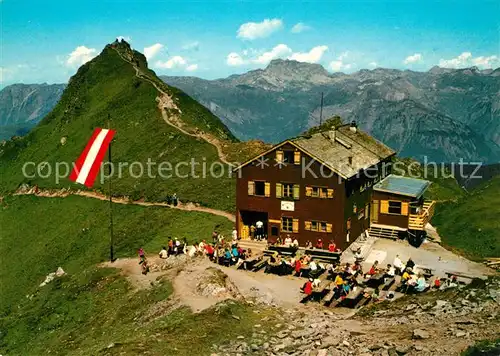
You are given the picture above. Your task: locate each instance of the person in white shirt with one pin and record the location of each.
(260, 229)
(288, 241)
(192, 250)
(295, 243)
(163, 253)
(234, 235)
(313, 266)
(391, 271)
(398, 264)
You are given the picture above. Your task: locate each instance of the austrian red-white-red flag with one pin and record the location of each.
(87, 165)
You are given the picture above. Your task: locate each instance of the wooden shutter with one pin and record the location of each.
(309, 191)
(384, 206)
(251, 188)
(296, 191)
(308, 225)
(296, 157)
(367, 210)
(267, 189)
(279, 156)
(330, 193)
(279, 190)
(295, 225)
(404, 208)
(329, 227)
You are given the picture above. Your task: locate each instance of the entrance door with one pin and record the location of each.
(374, 212)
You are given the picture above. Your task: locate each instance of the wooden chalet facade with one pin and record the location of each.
(312, 187)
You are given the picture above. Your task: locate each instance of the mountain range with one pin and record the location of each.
(22, 106)
(442, 114)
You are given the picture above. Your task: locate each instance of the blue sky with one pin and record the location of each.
(46, 41)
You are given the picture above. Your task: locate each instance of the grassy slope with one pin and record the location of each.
(444, 187)
(107, 84)
(90, 308)
(85, 313)
(472, 224)
(44, 233)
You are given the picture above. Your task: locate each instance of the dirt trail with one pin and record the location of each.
(165, 103)
(61, 193)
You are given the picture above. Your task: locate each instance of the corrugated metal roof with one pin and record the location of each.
(402, 185)
(343, 150)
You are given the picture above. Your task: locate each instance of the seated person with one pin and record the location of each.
(192, 251)
(348, 269)
(319, 244)
(390, 271)
(288, 241)
(163, 253)
(295, 242)
(227, 257)
(234, 252)
(298, 267)
(309, 244)
(421, 284)
(410, 264)
(346, 288)
(398, 265)
(313, 266)
(374, 269)
(339, 281)
(331, 246)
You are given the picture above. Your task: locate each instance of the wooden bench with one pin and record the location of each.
(259, 265)
(316, 252)
(353, 298)
(284, 250)
(388, 283)
(250, 263)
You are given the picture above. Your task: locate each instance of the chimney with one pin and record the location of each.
(331, 134)
(354, 126)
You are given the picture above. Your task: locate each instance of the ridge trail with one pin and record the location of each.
(165, 102)
(62, 193)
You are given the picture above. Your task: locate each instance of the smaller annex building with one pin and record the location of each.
(398, 205)
(312, 187)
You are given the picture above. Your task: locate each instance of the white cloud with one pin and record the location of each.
(80, 55)
(466, 60)
(253, 30)
(124, 38)
(414, 58)
(234, 59)
(252, 56)
(313, 56)
(373, 64)
(174, 62)
(300, 27)
(177, 62)
(280, 51)
(338, 64)
(153, 50)
(192, 46)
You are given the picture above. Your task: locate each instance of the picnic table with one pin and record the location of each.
(284, 250)
(260, 263)
(375, 280)
(250, 262)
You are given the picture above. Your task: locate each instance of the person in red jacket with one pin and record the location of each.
(298, 266)
(332, 247)
(308, 290)
(319, 244)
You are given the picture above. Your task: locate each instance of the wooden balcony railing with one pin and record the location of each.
(418, 221)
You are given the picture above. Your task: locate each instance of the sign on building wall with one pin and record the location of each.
(288, 205)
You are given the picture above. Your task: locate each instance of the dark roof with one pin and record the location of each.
(343, 150)
(411, 187)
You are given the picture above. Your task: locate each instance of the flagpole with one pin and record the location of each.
(111, 252)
